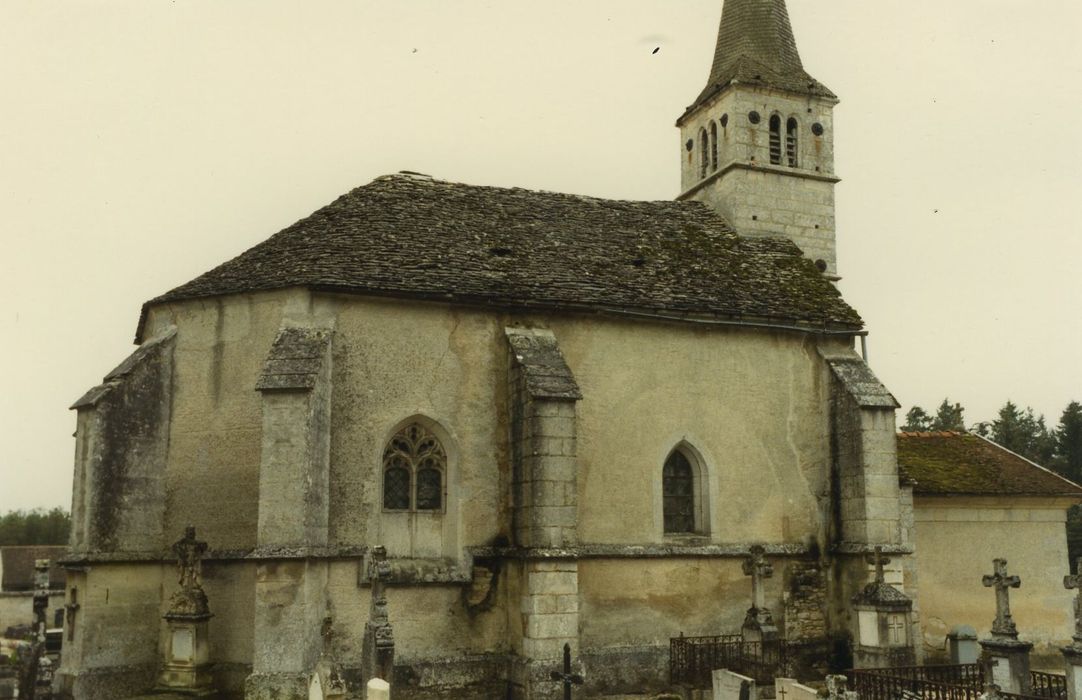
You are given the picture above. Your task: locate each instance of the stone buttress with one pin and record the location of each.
(868, 499)
(543, 395)
(118, 503)
(293, 513)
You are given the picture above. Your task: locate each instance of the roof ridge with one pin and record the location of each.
(1028, 460)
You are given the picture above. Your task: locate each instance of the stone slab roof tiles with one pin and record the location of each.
(964, 464)
(546, 372)
(411, 236)
(294, 360)
(859, 381)
(17, 566)
(756, 46)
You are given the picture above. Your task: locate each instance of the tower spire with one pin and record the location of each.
(756, 46)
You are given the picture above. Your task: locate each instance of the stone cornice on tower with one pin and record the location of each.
(756, 47)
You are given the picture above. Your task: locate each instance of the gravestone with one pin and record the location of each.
(733, 686)
(759, 622)
(1005, 657)
(378, 689)
(377, 652)
(186, 666)
(1072, 654)
(962, 643)
(791, 689)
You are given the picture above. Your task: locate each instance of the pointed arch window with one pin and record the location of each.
(791, 128)
(775, 139)
(704, 153)
(713, 146)
(682, 486)
(414, 471)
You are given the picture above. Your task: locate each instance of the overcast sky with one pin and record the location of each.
(144, 142)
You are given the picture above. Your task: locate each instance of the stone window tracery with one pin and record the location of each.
(414, 470)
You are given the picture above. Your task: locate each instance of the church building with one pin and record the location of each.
(472, 425)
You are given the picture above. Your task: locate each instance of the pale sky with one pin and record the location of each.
(144, 142)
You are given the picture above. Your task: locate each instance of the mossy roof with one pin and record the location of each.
(17, 566)
(412, 236)
(960, 464)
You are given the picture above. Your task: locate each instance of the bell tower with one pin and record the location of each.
(757, 144)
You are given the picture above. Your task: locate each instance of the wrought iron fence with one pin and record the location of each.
(944, 682)
(1049, 685)
(692, 660)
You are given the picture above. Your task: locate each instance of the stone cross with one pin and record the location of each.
(758, 568)
(70, 609)
(567, 678)
(1003, 626)
(189, 553)
(1071, 583)
(878, 561)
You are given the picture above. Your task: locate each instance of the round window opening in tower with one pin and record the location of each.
(821, 265)
(753, 117)
(817, 129)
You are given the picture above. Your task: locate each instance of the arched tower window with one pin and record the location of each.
(775, 139)
(414, 470)
(791, 142)
(680, 492)
(704, 153)
(713, 146)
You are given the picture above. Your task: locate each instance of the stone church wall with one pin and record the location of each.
(749, 406)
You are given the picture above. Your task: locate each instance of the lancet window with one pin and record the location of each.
(704, 152)
(414, 470)
(791, 142)
(713, 146)
(775, 139)
(678, 491)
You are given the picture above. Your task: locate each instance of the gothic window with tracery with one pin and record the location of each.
(414, 469)
(678, 492)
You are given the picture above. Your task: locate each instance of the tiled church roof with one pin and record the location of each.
(756, 46)
(17, 566)
(963, 464)
(412, 236)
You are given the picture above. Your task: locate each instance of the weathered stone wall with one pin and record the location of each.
(805, 601)
(757, 197)
(750, 406)
(957, 539)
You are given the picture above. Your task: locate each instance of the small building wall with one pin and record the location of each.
(17, 608)
(957, 539)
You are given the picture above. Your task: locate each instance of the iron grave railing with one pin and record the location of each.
(943, 682)
(692, 660)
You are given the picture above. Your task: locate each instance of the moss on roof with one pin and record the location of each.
(417, 237)
(950, 463)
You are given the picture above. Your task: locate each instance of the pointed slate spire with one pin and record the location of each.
(756, 46)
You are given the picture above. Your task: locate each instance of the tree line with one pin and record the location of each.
(1021, 431)
(38, 526)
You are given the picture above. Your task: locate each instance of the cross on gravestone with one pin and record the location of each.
(1075, 582)
(758, 568)
(1003, 626)
(70, 609)
(877, 560)
(567, 678)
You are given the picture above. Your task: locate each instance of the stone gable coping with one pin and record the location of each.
(294, 360)
(544, 369)
(860, 383)
(92, 397)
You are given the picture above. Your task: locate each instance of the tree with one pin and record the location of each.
(1024, 433)
(1068, 442)
(949, 417)
(18, 527)
(917, 420)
